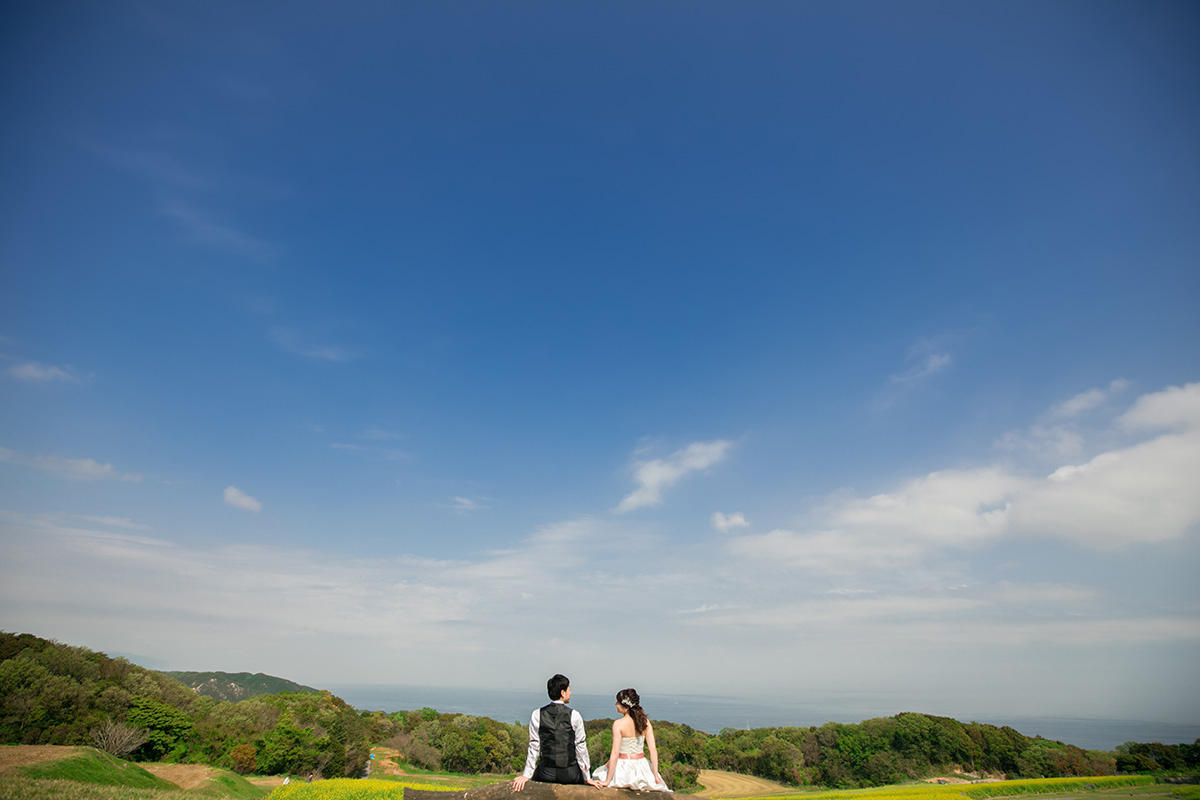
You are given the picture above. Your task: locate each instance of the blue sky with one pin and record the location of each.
(794, 349)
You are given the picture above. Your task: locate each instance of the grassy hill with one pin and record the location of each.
(75, 773)
(234, 686)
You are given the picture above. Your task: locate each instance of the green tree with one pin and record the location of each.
(165, 726)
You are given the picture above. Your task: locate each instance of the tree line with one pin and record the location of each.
(52, 693)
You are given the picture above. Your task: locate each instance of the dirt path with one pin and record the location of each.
(185, 776)
(717, 783)
(22, 755)
(385, 762)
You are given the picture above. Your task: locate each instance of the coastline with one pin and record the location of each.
(710, 714)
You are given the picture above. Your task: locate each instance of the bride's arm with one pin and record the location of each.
(653, 751)
(612, 757)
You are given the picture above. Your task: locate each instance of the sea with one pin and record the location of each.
(711, 714)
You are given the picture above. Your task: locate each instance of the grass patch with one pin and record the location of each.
(21, 787)
(975, 791)
(94, 767)
(980, 791)
(230, 784)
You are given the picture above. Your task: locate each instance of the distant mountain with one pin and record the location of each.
(236, 686)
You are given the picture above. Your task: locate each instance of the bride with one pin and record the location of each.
(627, 767)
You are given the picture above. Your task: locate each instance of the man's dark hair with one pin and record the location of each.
(556, 686)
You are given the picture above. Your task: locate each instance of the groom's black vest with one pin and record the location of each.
(557, 736)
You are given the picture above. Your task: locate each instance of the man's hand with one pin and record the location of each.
(519, 783)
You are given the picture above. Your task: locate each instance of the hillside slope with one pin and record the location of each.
(234, 686)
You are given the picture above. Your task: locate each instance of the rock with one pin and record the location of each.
(541, 791)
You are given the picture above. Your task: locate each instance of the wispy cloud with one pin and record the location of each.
(727, 522)
(704, 609)
(380, 435)
(160, 169)
(84, 469)
(1089, 400)
(373, 448)
(239, 499)
(468, 504)
(292, 341)
(928, 365)
(924, 360)
(656, 476)
(34, 372)
(1057, 434)
(200, 228)
(115, 522)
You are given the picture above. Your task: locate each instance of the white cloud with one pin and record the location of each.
(84, 469)
(704, 609)
(41, 373)
(1057, 435)
(1145, 492)
(1089, 400)
(1053, 442)
(930, 364)
(1175, 407)
(239, 499)
(659, 475)
(725, 522)
(341, 618)
(466, 504)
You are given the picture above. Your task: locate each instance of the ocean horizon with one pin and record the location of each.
(711, 713)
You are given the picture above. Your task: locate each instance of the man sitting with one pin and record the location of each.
(557, 741)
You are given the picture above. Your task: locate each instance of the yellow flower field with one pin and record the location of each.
(349, 789)
(975, 791)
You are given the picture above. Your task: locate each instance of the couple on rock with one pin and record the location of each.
(558, 745)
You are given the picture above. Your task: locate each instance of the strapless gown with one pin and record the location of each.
(632, 773)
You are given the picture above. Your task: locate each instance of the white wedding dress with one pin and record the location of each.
(633, 768)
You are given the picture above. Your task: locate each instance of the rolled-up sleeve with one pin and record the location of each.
(535, 743)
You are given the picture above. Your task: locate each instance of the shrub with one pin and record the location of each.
(117, 738)
(243, 759)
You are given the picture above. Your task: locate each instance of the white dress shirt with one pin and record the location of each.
(535, 743)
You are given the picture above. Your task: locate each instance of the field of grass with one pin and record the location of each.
(75, 773)
(1047, 787)
(22, 787)
(96, 767)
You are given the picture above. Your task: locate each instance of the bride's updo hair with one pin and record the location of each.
(629, 698)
